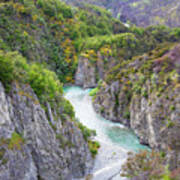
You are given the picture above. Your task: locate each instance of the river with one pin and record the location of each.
(115, 139)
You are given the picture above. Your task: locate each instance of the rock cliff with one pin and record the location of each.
(144, 94)
(34, 144)
(88, 72)
(85, 75)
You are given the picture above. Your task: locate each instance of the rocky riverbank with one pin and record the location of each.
(144, 94)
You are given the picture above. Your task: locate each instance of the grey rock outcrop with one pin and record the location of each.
(31, 148)
(150, 105)
(85, 75)
(147, 117)
(89, 73)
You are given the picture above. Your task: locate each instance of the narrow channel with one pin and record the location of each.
(115, 139)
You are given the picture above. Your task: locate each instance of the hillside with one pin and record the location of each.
(143, 94)
(140, 12)
(46, 44)
(51, 32)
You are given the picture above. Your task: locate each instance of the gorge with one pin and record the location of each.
(115, 139)
(79, 89)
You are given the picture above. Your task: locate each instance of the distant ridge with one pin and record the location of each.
(140, 12)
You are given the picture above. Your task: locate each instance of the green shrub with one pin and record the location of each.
(67, 108)
(16, 141)
(172, 108)
(144, 93)
(55, 7)
(12, 67)
(169, 124)
(137, 30)
(175, 33)
(93, 147)
(94, 91)
(44, 82)
(126, 114)
(2, 152)
(87, 133)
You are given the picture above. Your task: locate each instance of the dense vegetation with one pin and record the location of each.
(54, 34)
(15, 68)
(50, 32)
(133, 42)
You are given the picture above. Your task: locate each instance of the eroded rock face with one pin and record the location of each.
(152, 118)
(89, 73)
(39, 151)
(85, 75)
(111, 103)
(151, 108)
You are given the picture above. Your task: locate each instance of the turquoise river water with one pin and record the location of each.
(115, 140)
